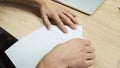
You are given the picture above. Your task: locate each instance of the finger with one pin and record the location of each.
(60, 24)
(67, 21)
(90, 56)
(77, 64)
(73, 14)
(70, 13)
(90, 49)
(89, 62)
(71, 17)
(87, 42)
(46, 21)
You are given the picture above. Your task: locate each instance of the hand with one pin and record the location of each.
(50, 10)
(76, 53)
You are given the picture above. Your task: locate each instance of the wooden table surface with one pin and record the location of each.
(102, 28)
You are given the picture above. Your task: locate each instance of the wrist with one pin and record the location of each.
(51, 62)
(45, 63)
(41, 2)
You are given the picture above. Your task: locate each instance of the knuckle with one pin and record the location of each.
(67, 19)
(69, 14)
(83, 56)
(82, 49)
(94, 56)
(71, 24)
(93, 49)
(43, 16)
(87, 42)
(64, 17)
(54, 15)
(82, 63)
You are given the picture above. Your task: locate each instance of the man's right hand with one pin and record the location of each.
(76, 53)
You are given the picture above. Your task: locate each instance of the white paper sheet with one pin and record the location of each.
(27, 52)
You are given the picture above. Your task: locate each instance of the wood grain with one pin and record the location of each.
(102, 28)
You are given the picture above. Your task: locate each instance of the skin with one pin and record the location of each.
(76, 53)
(51, 10)
(60, 16)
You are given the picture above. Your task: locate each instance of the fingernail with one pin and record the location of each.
(74, 27)
(65, 31)
(77, 21)
(48, 27)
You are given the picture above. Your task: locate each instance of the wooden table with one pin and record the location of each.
(102, 28)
